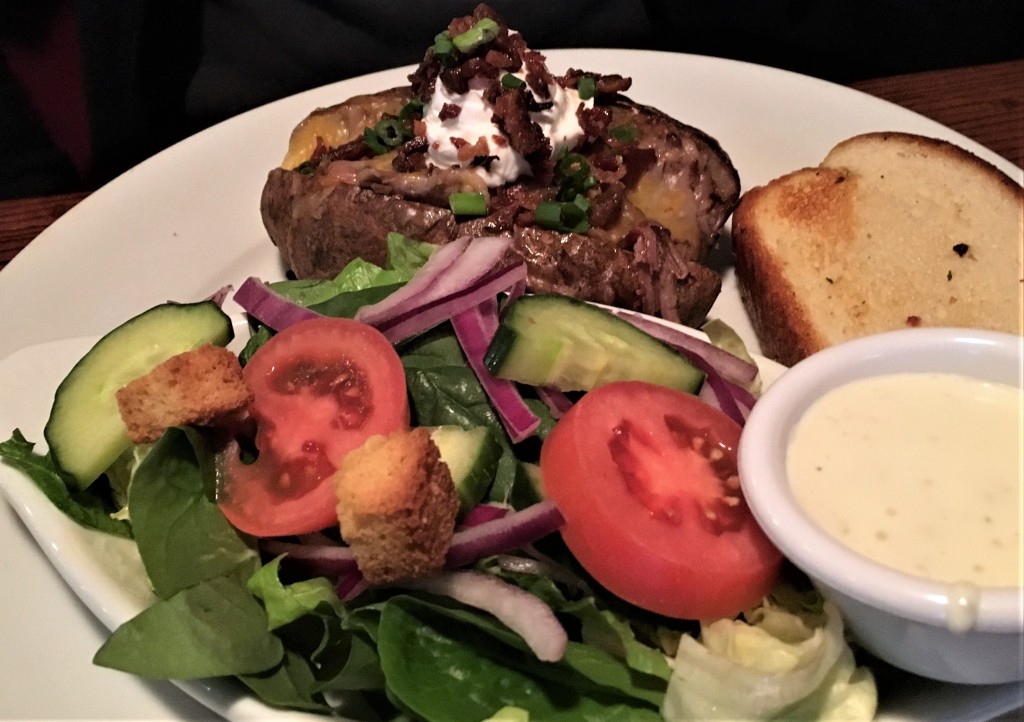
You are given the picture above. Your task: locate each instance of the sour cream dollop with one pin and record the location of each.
(559, 123)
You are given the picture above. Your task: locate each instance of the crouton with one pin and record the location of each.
(201, 387)
(396, 506)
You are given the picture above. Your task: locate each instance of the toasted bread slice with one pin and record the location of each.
(891, 230)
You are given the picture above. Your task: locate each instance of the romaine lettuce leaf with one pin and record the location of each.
(405, 256)
(781, 662)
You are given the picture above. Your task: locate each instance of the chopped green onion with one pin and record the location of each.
(586, 86)
(442, 44)
(566, 217)
(509, 81)
(574, 166)
(391, 131)
(623, 133)
(468, 204)
(549, 215)
(573, 176)
(373, 141)
(484, 31)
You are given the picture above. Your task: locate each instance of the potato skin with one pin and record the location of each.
(321, 223)
(319, 228)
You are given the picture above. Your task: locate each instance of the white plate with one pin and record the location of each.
(186, 222)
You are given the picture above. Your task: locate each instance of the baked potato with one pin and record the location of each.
(657, 194)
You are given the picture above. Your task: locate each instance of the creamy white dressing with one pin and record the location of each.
(921, 472)
(559, 123)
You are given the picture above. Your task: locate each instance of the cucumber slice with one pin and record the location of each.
(571, 345)
(85, 432)
(536, 480)
(472, 458)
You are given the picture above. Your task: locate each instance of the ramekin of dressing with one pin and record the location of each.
(889, 469)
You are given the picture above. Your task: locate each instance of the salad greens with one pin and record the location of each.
(394, 654)
(786, 660)
(91, 507)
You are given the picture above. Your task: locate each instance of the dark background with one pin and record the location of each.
(89, 88)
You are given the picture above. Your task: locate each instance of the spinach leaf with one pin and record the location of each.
(90, 507)
(182, 535)
(215, 628)
(259, 336)
(289, 685)
(444, 390)
(309, 618)
(345, 305)
(451, 664)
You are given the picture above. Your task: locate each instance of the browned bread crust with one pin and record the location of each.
(201, 387)
(396, 505)
(892, 230)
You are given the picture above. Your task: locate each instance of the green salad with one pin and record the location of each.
(290, 616)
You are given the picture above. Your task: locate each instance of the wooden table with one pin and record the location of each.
(985, 103)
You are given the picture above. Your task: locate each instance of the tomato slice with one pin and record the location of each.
(320, 389)
(646, 479)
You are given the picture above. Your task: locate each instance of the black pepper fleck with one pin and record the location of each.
(949, 275)
(829, 279)
(961, 249)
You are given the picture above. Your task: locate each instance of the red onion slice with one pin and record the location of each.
(482, 513)
(475, 328)
(221, 295)
(270, 307)
(556, 401)
(512, 531)
(442, 309)
(350, 586)
(464, 262)
(332, 559)
(408, 295)
(721, 388)
(517, 609)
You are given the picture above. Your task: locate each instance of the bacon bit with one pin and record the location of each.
(449, 111)
(594, 121)
(913, 321)
(608, 84)
(505, 61)
(537, 75)
(499, 140)
(513, 118)
(468, 152)
(419, 128)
